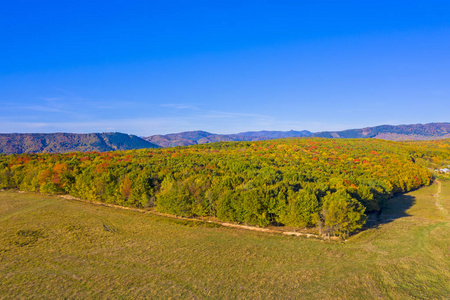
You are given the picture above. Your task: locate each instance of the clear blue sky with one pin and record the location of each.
(155, 67)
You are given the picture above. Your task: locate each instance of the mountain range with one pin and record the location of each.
(394, 132)
(70, 142)
(385, 132)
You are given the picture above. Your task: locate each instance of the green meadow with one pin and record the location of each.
(56, 248)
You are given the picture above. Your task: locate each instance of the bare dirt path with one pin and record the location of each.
(438, 199)
(226, 224)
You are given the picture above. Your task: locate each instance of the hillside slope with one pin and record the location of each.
(69, 142)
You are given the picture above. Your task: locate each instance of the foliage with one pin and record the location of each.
(342, 214)
(295, 182)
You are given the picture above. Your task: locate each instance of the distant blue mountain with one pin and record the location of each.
(203, 137)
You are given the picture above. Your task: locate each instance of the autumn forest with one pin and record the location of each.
(331, 184)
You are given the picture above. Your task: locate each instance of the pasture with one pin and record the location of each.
(56, 248)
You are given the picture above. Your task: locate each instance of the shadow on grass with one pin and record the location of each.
(392, 209)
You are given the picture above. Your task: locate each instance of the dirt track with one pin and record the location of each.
(438, 202)
(225, 224)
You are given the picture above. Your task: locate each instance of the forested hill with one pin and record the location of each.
(394, 133)
(202, 137)
(69, 142)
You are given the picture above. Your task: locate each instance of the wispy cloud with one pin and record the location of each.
(229, 123)
(42, 108)
(227, 115)
(69, 112)
(196, 119)
(68, 105)
(51, 99)
(141, 127)
(179, 106)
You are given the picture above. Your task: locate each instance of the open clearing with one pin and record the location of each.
(57, 248)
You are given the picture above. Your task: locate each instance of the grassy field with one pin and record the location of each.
(56, 248)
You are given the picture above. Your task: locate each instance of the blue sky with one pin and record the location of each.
(156, 67)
